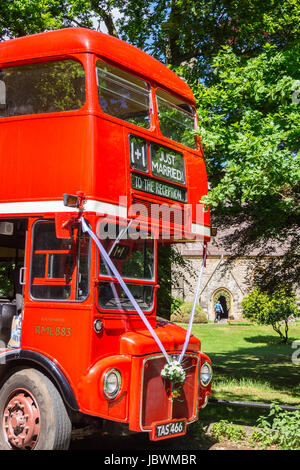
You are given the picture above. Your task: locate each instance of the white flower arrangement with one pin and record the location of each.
(174, 372)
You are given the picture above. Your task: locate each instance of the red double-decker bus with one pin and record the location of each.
(98, 152)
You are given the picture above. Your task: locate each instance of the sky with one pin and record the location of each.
(115, 14)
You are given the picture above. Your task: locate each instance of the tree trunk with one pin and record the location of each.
(105, 16)
(173, 53)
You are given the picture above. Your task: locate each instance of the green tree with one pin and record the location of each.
(249, 123)
(23, 17)
(171, 267)
(193, 31)
(271, 308)
(174, 31)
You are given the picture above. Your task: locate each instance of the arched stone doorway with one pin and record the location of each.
(225, 298)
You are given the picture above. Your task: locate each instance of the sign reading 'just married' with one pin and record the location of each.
(166, 163)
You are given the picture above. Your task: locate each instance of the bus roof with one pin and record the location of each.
(78, 40)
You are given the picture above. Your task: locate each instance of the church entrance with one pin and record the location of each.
(224, 297)
(223, 302)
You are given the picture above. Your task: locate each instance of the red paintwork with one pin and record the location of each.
(44, 156)
(142, 342)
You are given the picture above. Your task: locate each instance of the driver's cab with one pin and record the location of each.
(12, 250)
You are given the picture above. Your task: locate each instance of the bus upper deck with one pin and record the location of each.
(82, 111)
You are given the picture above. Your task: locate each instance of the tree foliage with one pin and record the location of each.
(23, 17)
(176, 31)
(171, 267)
(249, 124)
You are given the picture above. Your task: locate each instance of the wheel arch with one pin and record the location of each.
(16, 359)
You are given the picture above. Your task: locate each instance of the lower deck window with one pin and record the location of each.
(51, 292)
(59, 267)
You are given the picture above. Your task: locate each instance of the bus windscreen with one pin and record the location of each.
(132, 253)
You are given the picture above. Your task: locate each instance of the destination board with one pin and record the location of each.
(158, 188)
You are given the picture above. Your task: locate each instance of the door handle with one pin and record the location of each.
(22, 276)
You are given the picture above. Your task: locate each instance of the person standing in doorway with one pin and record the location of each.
(218, 311)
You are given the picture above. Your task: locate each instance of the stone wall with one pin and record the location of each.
(230, 280)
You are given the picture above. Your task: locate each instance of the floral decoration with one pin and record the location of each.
(174, 372)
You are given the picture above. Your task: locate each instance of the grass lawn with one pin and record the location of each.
(250, 363)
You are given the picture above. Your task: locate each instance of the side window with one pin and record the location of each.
(59, 267)
(45, 87)
(176, 118)
(123, 95)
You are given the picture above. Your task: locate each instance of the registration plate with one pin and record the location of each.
(168, 429)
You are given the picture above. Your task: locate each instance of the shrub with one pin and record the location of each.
(271, 308)
(176, 304)
(183, 312)
(228, 430)
(279, 427)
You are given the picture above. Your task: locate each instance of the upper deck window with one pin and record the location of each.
(123, 95)
(44, 87)
(176, 118)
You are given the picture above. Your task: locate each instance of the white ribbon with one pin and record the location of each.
(189, 330)
(119, 278)
(115, 272)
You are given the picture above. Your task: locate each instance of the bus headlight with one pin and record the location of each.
(206, 374)
(112, 383)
